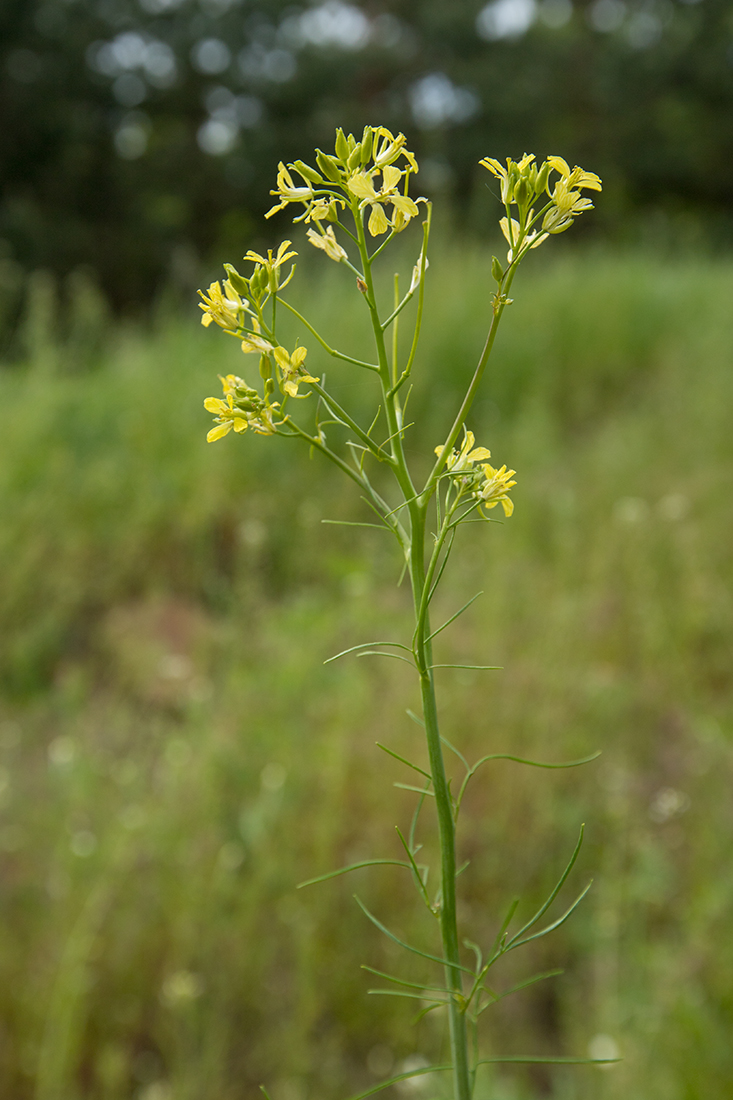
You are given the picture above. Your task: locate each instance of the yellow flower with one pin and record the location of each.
(387, 149)
(292, 371)
(577, 178)
(326, 240)
(271, 265)
(287, 190)
(224, 307)
(495, 488)
(516, 239)
(361, 184)
(508, 176)
(241, 408)
(253, 342)
(459, 462)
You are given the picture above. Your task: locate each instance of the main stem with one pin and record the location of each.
(446, 822)
(423, 654)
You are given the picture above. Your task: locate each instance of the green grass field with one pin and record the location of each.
(175, 757)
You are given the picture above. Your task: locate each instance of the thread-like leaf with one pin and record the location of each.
(453, 617)
(540, 1060)
(364, 645)
(417, 790)
(402, 760)
(354, 867)
(410, 985)
(554, 925)
(544, 907)
(515, 988)
(402, 1077)
(415, 869)
(408, 947)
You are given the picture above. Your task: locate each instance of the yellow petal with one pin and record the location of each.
(361, 185)
(215, 405)
(298, 356)
(282, 358)
(240, 425)
(219, 432)
(405, 205)
(478, 455)
(507, 505)
(378, 220)
(291, 388)
(391, 177)
(559, 165)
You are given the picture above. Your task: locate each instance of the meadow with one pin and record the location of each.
(175, 757)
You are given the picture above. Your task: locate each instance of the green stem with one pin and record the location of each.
(500, 303)
(446, 823)
(423, 655)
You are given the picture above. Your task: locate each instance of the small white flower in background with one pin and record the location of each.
(181, 987)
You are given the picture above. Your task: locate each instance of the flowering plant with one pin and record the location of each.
(358, 193)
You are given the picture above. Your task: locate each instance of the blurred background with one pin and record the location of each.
(174, 757)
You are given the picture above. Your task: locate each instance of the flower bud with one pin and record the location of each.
(367, 140)
(307, 172)
(240, 284)
(265, 367)
(342, 146)
(329, 166)
(361, 285)
(496, 270)
(521, 192)
(354, 157)
(544, 172)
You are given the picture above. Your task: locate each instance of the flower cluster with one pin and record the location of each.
(523, 183)
(362, 175)
(241, 408)
(487, 485)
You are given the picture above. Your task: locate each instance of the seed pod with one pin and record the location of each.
(307, 172)
(329, 166)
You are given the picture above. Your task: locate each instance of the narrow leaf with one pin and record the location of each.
(453, 617)
(354, 867)
(555, 924)
(402, 760)
(543, 908)
(408, 947)
(402, 1077)
(532, 1060)
(363, 645)
(410, 985)
(417, 790)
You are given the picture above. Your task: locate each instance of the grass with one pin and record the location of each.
(175, 757)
